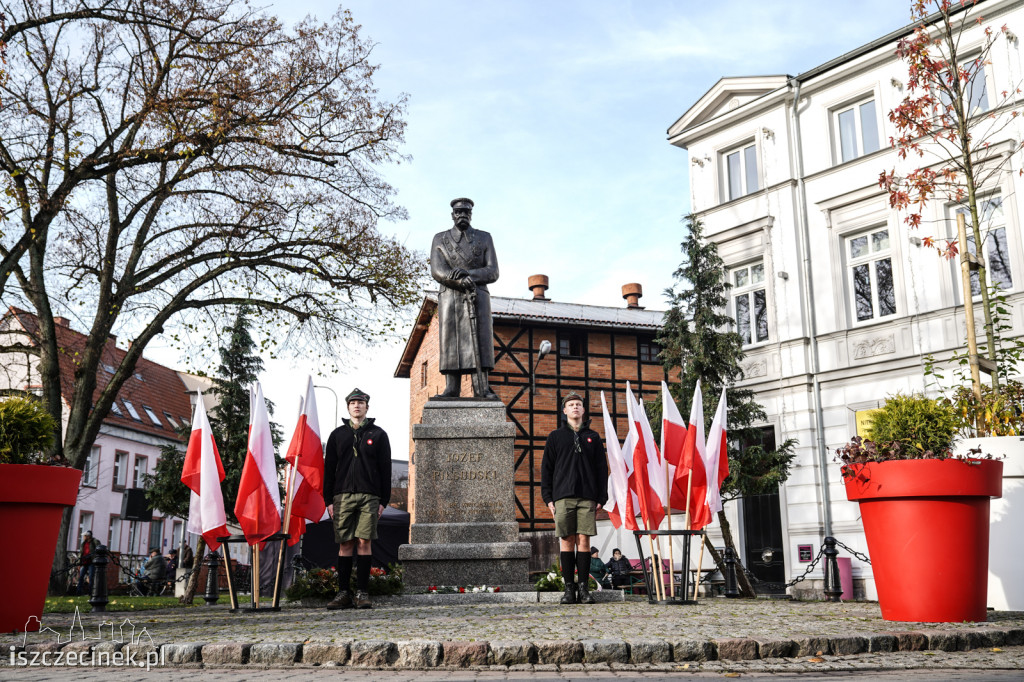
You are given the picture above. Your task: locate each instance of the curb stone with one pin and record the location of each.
(225, 654)
(649, 651)
(912, 641)
(810, 646)
(883, 643)
(182, 653)
(738, 649)
(512, 653)
(605, 651)
(845, 646)
(275, 654)
(373, 653)
(774, 648)
(694, 650)
(559, 652)
(465, 654)
(419, 654)
(322, 654)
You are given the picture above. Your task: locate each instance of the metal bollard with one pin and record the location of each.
(98, 598)
(731, 589)
(833, 586)
(212, 588)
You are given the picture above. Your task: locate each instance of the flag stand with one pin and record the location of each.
(254, 607)
(649, 575)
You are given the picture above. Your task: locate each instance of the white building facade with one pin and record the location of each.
(837, 299)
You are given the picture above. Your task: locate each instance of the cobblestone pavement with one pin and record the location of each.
(716, 636)
(1006, 664)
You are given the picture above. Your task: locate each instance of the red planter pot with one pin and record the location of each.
(927, 527)
(32, 500)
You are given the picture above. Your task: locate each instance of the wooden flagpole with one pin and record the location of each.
(671, 556)
(231, 586)
(700, 562)
(285, 526)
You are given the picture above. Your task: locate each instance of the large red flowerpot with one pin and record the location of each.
(927, 524)
(32, 500)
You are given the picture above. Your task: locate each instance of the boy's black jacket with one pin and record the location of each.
(369, 472)
(568, 473)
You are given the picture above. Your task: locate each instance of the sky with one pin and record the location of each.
(552, 117)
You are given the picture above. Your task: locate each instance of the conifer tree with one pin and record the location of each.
(697, 340)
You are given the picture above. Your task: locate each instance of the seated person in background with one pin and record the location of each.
(172, 564)
(598, 570)
(619, 567)
(154, 572)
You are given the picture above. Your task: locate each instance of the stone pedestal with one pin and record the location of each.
(465, 531)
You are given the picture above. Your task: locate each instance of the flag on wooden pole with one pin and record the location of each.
(619, 506)
(202, 473)
(717, 457)
(258, 507)
(692, 485)
(645, 460)
(306, 455)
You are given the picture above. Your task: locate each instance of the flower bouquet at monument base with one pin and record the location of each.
(552, 581)
(917, 498)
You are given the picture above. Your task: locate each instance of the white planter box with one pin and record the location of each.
(1006, 552)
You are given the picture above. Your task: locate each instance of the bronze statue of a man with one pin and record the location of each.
(463, 261)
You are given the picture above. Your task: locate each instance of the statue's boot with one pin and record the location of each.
(485, 391)
(452, 386)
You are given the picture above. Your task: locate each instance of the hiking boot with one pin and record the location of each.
(570, 595)
(584, 595)
(342, 601)
(363, 600)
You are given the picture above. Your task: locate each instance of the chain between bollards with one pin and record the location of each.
(212, 595)
(833, 587)
(98, 598)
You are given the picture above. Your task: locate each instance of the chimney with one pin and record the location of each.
(62, 321)
(538, 284)
(632, 293)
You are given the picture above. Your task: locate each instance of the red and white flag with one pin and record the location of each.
(306, 455)
(202, 474)
(619, 505)
(694, 459)
(673, 429)
(646, 465)
(258, 507)
(717, 456)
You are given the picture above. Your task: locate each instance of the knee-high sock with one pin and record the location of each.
(344, 572)
(363, 572)
(568, 561)
(582, 567)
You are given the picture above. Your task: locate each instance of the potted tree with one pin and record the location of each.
(33, 494)
(925, 511)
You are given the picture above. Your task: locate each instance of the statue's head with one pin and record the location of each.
(462, 212)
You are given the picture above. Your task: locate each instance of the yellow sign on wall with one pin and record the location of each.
(863, 418)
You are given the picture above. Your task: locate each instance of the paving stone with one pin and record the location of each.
(605, 651)
(520, 667)
(810, 646)
(182, 653)
(1014, 637)
(877, 643)
(78, 647)
(107, 646)
(945, 641)
(775, 648)
(274, 654)
(317, 653)
(693, 650)
(373, 653)
(845, 646)
(511, 653)
(43, 647)
(649, 651)
(912, 641)
(465, 654)
(559, 652)
(736, 649)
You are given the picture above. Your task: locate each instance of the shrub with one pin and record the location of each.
(923, 427)
(26, 430)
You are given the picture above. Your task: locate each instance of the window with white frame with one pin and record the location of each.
(994, 247)
(84, 523)
(120, 469)
(156, 533)
(750, 302)
(740, 168)
(92, 466)
(140, 471)
(975, 89)
(869, 264)
(856, 127)
(114, 533)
